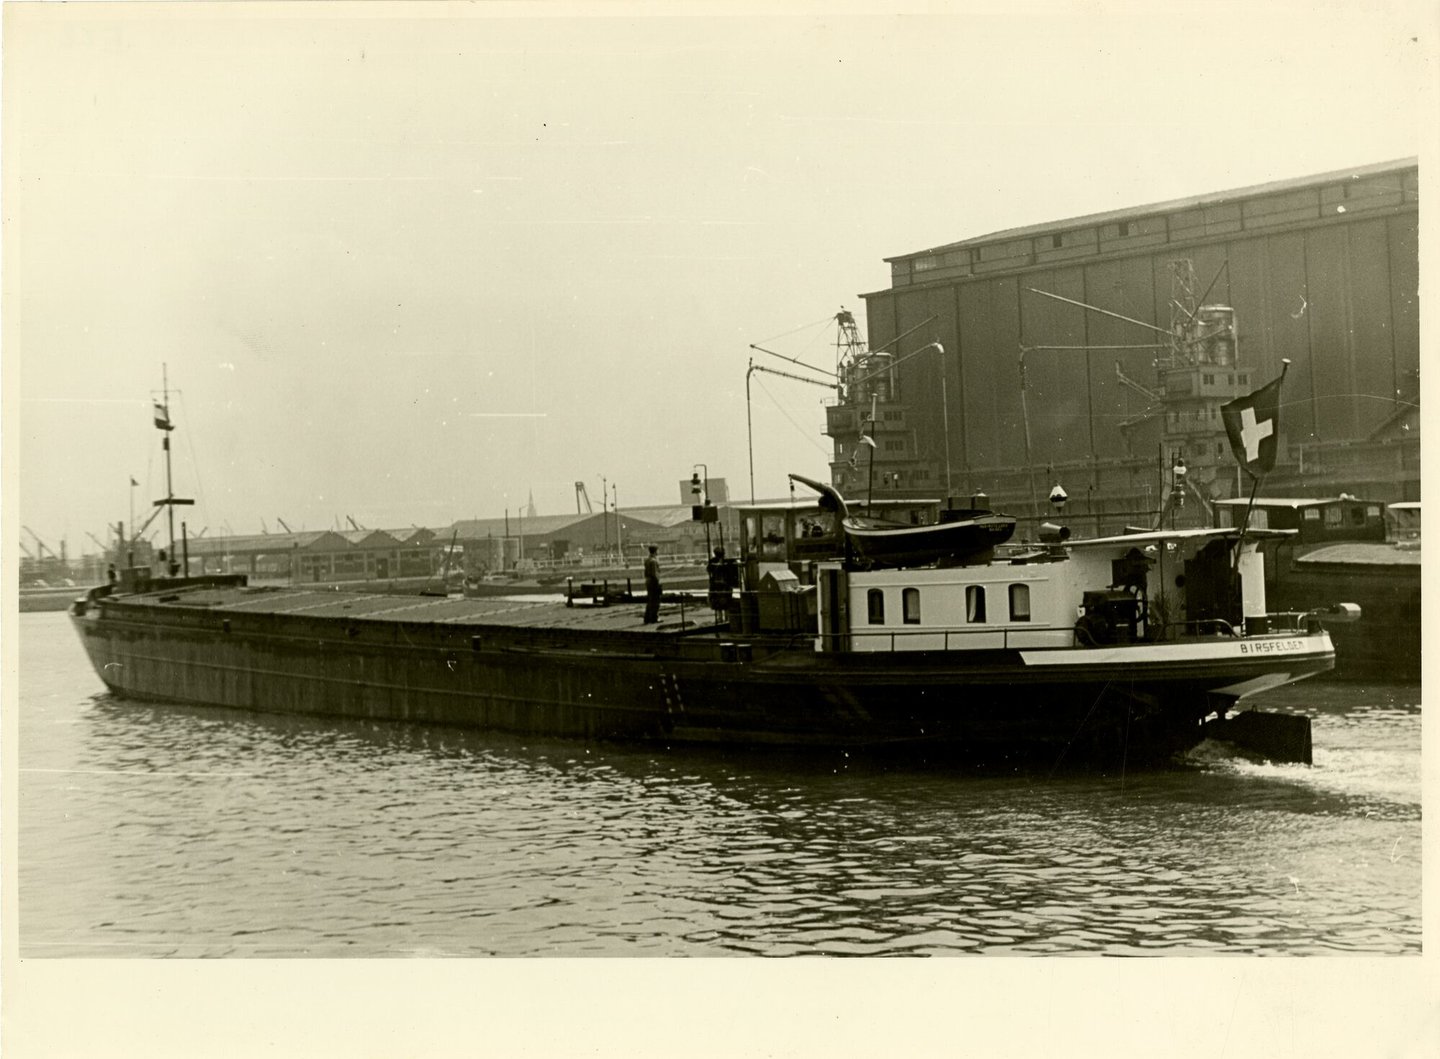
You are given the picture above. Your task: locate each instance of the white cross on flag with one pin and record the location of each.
(1253, 424)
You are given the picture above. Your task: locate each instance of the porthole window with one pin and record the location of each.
(910, 599)
(1019, 602)
(975, 603)
(875, 604)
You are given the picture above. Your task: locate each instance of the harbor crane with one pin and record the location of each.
(857, 375)
(286, 528)
(1194, 360)
(582, 495)
(749, 428)
(41, 546)
(1156, 400)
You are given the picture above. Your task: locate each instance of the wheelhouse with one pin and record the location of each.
(795, 534)
(1147, 587)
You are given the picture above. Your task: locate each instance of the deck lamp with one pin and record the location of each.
(702, 511)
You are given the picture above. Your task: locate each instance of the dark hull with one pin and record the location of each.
(634, 686)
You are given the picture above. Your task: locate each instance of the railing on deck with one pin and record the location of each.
(1012, 638)
(1201, 627)
(950, 639)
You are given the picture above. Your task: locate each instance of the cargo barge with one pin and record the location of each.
(1114, 649)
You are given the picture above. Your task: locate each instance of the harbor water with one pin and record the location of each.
(162, 831)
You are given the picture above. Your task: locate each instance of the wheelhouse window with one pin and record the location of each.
(1019, 602)
(816, 525)
(910, 599)
(975, 603)
(875, 605)
(772, 537)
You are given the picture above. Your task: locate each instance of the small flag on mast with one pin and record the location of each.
(162, 417)
(1253, 425)
(133, 481)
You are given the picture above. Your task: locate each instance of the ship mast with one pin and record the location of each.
(164, 423)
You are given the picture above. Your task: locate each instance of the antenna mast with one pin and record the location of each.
(164, 423)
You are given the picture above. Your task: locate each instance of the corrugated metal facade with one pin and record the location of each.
(1323, 270)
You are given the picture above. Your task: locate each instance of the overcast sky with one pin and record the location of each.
(413, 264)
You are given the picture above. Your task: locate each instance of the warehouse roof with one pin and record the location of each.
(1189, 203)
(548, 525)
(666, 517)
(538, 526)
(323, 540)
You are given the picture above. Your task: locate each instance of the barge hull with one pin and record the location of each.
(640, 687)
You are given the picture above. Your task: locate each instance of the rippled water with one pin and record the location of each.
(163, 831)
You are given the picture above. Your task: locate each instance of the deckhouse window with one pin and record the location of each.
(772, 536)
(875, 604)
(1019, 602)
(911, 600)
(818, 524)
(975, 603)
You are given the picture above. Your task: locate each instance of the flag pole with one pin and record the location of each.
(1255, 484)
(1245, 522)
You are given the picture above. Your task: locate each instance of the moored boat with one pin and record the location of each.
(1347, 548)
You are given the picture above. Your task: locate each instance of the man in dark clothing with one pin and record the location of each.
(652, 588)
(723, 579)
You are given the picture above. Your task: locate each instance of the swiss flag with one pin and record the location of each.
(1253, 424)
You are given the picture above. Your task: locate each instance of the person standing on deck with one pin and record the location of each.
(652, 588)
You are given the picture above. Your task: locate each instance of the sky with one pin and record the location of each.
(412, 264)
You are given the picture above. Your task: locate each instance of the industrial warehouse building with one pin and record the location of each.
(495, 544)
(319, 555)
(479, 546)
(1322, 270)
